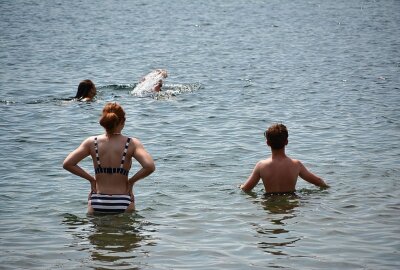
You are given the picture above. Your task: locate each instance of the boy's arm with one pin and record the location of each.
(253, 179)
(310, 177)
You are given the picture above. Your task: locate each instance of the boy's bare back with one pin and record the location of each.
(279, 172)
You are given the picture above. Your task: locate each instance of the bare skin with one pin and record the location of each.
(110, 148)
(157, 87)
(279, 174)
(158, 73)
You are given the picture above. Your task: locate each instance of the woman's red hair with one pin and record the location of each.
(112, 116)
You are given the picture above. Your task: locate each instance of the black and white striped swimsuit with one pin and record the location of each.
(106, 203)
(110, 170)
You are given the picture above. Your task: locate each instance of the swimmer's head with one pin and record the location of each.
(113, 116)
(86, 90)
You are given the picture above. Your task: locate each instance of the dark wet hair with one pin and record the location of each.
(112, 116)
(277, 136)
(84, 88)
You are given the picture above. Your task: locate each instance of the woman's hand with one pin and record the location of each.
(129, 188)
(93, 188)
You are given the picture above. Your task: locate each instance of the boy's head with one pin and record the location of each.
(277, 136)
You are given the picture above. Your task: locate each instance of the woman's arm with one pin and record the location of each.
(71, 162)
(145, 160)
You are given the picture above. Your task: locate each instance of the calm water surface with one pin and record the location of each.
(329, 70)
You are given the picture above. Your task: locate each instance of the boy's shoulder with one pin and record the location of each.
(270, 160)
(264, 162)
(295, 161)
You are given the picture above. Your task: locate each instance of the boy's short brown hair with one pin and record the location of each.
(277, 136)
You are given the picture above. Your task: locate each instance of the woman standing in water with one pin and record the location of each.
(112, 153)
(86, 91)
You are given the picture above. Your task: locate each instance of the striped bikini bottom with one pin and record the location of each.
(110, 203)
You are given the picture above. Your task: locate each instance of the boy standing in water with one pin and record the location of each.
(279, 172)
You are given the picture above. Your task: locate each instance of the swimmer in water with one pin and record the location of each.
(152, 82)
(86, 91)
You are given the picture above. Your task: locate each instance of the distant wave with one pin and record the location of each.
(118, 86)
(7, 102)
(168, 91)
(171, 90)
(36, 101)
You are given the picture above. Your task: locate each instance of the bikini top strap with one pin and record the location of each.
(125, 150)
(97, 152)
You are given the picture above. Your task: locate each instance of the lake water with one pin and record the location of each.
(329, 70)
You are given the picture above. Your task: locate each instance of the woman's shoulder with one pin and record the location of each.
(134, 142)
(94, 137)
(91, 139)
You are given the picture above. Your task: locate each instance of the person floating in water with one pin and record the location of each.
(151, 83)
(279, 172)
(86, 91)
(157, 87)
(112, 153)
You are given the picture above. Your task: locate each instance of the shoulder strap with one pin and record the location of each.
(97, 152)
(125, 150)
